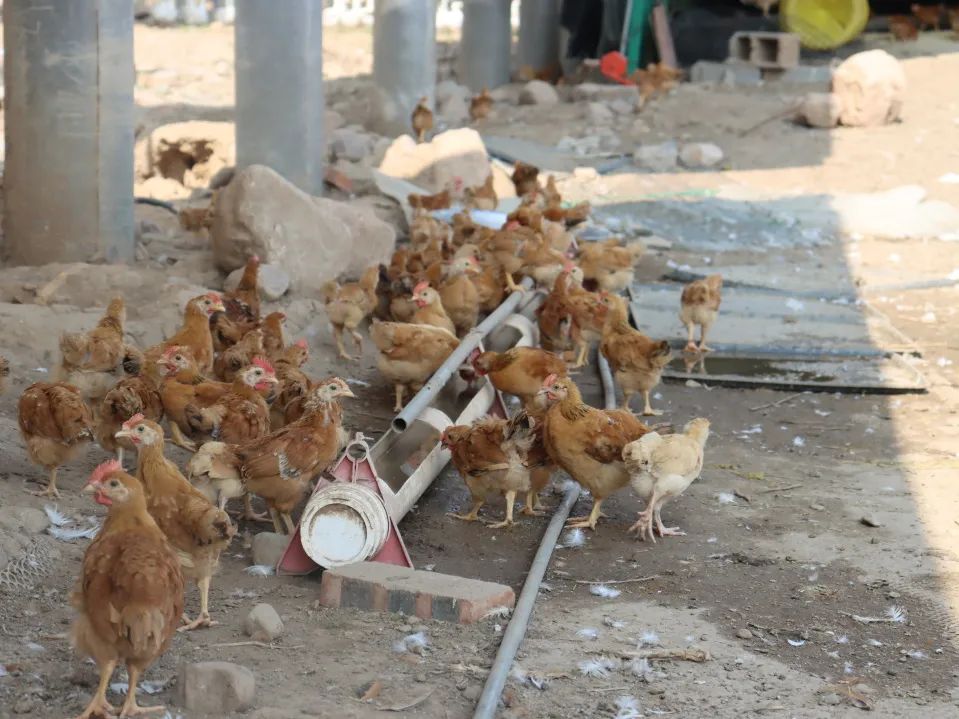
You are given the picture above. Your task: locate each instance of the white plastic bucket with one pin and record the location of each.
(343, 524)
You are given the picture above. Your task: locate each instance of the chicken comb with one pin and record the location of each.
(420, 287)
(105, 470)
(171, 350)
(302, 344)
(133, 421)
(263, 365)
(215, 296)
(549, 380)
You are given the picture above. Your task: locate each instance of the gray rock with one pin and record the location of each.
(696, 155)
(744, 634)
(332, 120)
(435, 164)
(473, 692)
(25, 705)
(599, 113)
(820, 109)
(830, 700)
(621, 108)
(594, 92)
(274, 281)
(268, 547)
(871, 88)
(217, 688)
(189, 153)
(23, 519)
(658, 158)
(348, 143)
(263, 623)
(450, 90)
(455, 110)
(312, 238)
(537, 92)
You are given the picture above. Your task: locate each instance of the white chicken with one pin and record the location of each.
(661, 468)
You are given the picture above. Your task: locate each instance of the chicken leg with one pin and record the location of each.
(338, 338)
(248, 513)
(178, 438)
(587, 522)
(582, 353)
(690, 337)
(130, 707)
(702, 338)
(99, 706)
(120, 455)
(358, 340)
(644, 520)
(277, 527)
(51, 490)
(473, 515)
(648, 410)
(203, 620)
(288, 521)
(665, 531)
(533, 506)
(508, 522)
(398, 405)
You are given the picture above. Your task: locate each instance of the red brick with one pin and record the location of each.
(380, 587)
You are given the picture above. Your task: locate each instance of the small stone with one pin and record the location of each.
(830, 700)
(332, 120)
(263, 623)
(658, 158)
(421, 678)
(25, 705)
(892, 672)
(598, 113)
(657, 691)
(621, 108)
(473, 692)
(537, 92)
(405, 628)
(640, 126)
(700, 154)
(273, 279)
(893, 595)
(864, 689)
(349, 144)
(218, 688)
(817, 507)
(455, 110)
(744, 634)
(869, 521)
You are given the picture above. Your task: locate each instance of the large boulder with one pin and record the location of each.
(871, 89)
(312, 238)
(538, 92)
(190, 153)
(433, 165)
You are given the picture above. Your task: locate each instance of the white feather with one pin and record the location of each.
(588, 633)
(55, 516)
(627, 707)
(601, 590)
(796, 642)
(574, 538)
(414, 643)
(598, 668)
(71, 534)
(896, 614)
(260, 570)
(726, 498)
(649, 639)
(613, 623)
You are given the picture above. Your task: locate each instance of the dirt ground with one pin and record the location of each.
(776, 560)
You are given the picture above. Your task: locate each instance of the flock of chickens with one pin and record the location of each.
(924, 17)
(231, 390)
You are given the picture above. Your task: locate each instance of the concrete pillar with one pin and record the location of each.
(404, 61)
(484, 59)
(539, 34)
(68, 175)
(279, 89)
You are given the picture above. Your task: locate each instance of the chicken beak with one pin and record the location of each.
(89, 488)
(347, 392)
(123, 433)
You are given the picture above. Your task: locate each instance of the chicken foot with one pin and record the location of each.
(358, 341)
(587, 522)
(533, 507)
(582, 358)
(473, 515)
(511, 285)
(248, 514)
(648, 410)
(691, 337)
(510, 501)
(338, 338)
(130, 707)
(179, 439)
(203, 620)
(51, 490)
(665, 531)
(702, 339)
(99, 706)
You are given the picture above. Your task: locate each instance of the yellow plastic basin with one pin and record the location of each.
(824, 24)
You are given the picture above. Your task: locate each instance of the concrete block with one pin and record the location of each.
(384, 587)
(767, 50)
(725, 73)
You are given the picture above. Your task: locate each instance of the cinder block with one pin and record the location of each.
(766, 50)
(374, 586)
(732, 74)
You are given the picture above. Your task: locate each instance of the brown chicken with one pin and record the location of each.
(130, 396)
(491, 457)
(183, 385)
(609, 265)
(481, 198)
(903, 28)
(422, 119)
(194, 335)
(442, 200)
(55, 424)
(273, 340)
(927, 15)
(519, 371)
(233, 359)
(525, 178)
(490, 285)
(588, 311)
(459, 297)
(410, 354)
(636, 360)
(292, 385)
(429, 309)
(348, 306)
(657, 78)
(241, 414)
(481, 105)
(198, 531)
(130, 595)
(280, 466)
(699, 305)
(587, 442)
(91, 361)
(558, 331)
(241, 312)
